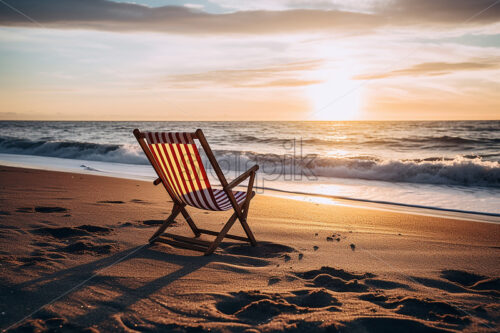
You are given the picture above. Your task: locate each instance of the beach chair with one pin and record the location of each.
(179, 167)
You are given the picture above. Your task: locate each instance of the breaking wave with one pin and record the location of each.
(463, 170)
(128, 154)
(423, 142)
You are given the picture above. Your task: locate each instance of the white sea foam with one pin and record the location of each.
(457, 171)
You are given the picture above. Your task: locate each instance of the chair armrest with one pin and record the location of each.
(241, 177)
(157, 181)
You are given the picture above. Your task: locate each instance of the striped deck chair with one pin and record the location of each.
(177, 162)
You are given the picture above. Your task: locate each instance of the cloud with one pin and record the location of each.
(432, 69)
(289, 83)
(439, 10)
(285, 75)
(108, 15)
(114, 16)
(444, 11)
(194, 5)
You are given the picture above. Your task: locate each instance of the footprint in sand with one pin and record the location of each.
(51, 323)
(95, 229)
(473, 281)
(386, 285)
(335, 279)
(82, 247)
(422, 308)
(155, 222)
(42, 209)
(139, 201)
(41, 257)
(264, 250)
(256, 306)
(313, 298)
(25, 210)
(273, 280)
(455, 281)
(82, 240)
(60, 233)
(380, 324)
(461, 277)
(67, 232)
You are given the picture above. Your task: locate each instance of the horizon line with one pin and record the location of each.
(352, 120)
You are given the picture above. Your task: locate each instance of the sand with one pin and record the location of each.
(74, 256)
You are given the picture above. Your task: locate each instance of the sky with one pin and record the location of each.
(249, 60)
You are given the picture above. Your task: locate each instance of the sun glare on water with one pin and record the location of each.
(336, 98)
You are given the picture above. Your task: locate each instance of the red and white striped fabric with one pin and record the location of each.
(182, 170)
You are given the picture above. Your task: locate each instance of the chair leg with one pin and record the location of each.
(249, 233)
(221, 234)
(175, 211)
(244, 224)
(190, 221)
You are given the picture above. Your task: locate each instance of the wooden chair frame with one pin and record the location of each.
(240, 211)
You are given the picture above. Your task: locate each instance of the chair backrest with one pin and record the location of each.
(180, 166)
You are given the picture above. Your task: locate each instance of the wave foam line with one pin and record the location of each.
(461, 170)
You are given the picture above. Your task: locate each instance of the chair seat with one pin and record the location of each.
(205, 200)
(223, 201)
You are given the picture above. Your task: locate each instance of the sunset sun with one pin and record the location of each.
(338, 97)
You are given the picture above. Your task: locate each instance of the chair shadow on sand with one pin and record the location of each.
(56, 286)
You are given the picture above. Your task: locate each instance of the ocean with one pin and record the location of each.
(442, 165)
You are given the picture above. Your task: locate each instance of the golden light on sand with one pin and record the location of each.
(338, 97)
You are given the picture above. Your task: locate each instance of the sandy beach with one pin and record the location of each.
(74, 256)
